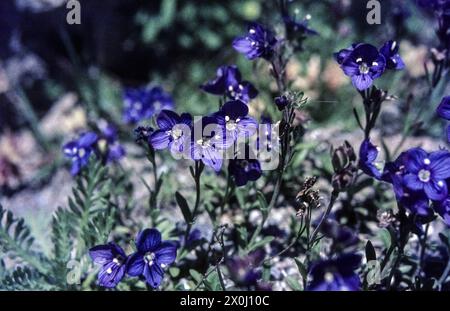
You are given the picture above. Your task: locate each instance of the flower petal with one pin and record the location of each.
(135, 264)
(159, 139)
(148, 240)
(153, 275)
(166, 253)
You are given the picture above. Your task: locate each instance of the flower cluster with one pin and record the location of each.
(143, 103)
(420, 179)
(105, 145)
(149, 261)
(364, 63)
(208, 138)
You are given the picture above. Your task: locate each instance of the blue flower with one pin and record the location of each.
(282, 102)
(208, 142)
(112, 260)
(363, 64)
(109, 145)
(443, 109)
(344, 53)
(80, 150)
(341, 235)
(246, 271)
(143, 133)
(259, 42)
(233, 118)
(368, 154)
(443, 209)
(152, 257)
(245, 167)
(229, 82)
(390, 53)
(143, 103)
(173, 133)
(428, 172)
(335, 274)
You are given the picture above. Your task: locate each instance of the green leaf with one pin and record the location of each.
(370, 252)
(302, 269)
(260, 243)
(262, 203)
(195, 275)
(184, 207)
(293, 283)
(174, 272)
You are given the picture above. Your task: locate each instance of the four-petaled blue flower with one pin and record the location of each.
(428, 172)
(390, 53)
(208, 142)
(109, 145)
(259, 42)
(233, 117)
(80, 150)
(142, 103)
(363, 65)
(112, 260)
(335, 274)
(229, 82)
(173, 133)
(368, 154)
(152, 257)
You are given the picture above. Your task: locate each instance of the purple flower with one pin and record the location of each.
(390, 53)
(80, 150)
(416, 202)
(143, 133)
(229, 82)
(152, 257)
(443, 209)
(344, 53)
(233, 118)
(428, 172)
(208, 142)
(340, 234)
(173, 133)
(246, 271)
(368, 154)
(335, 274)
(363, 64)
(142, 103)
(259, 42)
(112, 260)
(443, 109)
(245, 167)
(282, 102)
(109, 145)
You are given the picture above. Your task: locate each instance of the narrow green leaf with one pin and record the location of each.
(184, 207)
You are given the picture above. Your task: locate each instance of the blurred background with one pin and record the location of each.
(56, 79)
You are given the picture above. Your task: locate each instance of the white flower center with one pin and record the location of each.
(364, 69)
(149, 258)
(81, 152)
(329, 277)
(424, 175)
(176, 133)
